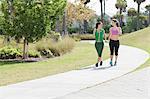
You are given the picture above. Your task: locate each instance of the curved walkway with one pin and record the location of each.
(65, 83)
(132, 86)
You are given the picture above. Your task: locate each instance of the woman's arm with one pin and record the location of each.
(109, 36)
(94, 31)
(120, 31)
(105, 36)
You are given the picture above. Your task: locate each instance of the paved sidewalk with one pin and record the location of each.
(73, 81)
(132, 86)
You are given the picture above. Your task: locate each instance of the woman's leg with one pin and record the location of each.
(99, 48)
(117, 44)
(100, 52)
(111, 46)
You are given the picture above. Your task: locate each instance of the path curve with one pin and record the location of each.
(62, 84)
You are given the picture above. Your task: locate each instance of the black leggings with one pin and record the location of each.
(114, 46)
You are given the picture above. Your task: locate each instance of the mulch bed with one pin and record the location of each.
(23, 60)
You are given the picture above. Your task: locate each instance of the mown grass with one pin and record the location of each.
(139, 39)
(82, 55)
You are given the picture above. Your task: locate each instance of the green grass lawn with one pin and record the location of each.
(82, 55)
(139, 39)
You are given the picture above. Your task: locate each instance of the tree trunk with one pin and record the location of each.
(25, 49)
(85, 26)
(120, 20)
(64, 27)
(149, 18)
(57, 25)
(101, 10)
(104, 7)
(138, 22)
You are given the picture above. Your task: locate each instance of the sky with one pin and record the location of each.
(110, 6)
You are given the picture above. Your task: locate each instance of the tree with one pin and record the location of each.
(78, 13)
(148, 9)
(139, 3)
(131, 13)
(121, 5)
(31, 21)
(102, 14)
(104, 7)
(131, 23)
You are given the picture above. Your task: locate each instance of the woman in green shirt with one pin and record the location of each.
(99, 44)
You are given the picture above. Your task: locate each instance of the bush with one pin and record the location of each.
(34, 54)
(43, 47)
(54, 35)
(62, 47)
(83, 36)
(49, 48)
(9, 53)
(72, 30)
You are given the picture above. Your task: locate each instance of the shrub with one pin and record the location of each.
(43, 47)
(62, 47)
(83, 36)
(49, 48)
(54, 35)
(72, 30)
(9, 53)
(34, 54)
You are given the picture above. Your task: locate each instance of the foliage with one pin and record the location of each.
(50, 48)
(132, 12)
(34, 54)
(139, 3)
(54, 35)
(121, 4)
(9, 53)
(148, 10)
(83, 36)
(30, 19)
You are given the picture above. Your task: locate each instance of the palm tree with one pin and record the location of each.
(139, 3)
(121, 5)
(132, 12)
(104, 7)
(148, 9)
(102, 16)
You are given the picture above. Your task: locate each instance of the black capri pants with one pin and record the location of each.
(114, 46)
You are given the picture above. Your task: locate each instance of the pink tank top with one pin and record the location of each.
(114, 31)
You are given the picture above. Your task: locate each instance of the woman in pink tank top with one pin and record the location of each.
(114, 43)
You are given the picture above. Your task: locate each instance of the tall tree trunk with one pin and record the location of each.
(120, 20)
(149, 18)
(101, 11)
(85, 26)
(104, 7)
(10, 11)
(64, 27)
(57, 25)
(138, 22)
(25, 49)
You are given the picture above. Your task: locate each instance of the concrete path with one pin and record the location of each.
(132, 86)
(73, 81)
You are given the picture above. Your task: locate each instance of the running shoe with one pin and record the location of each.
(111, 64)
(101, 63)
(115, 63)
(96, 64)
